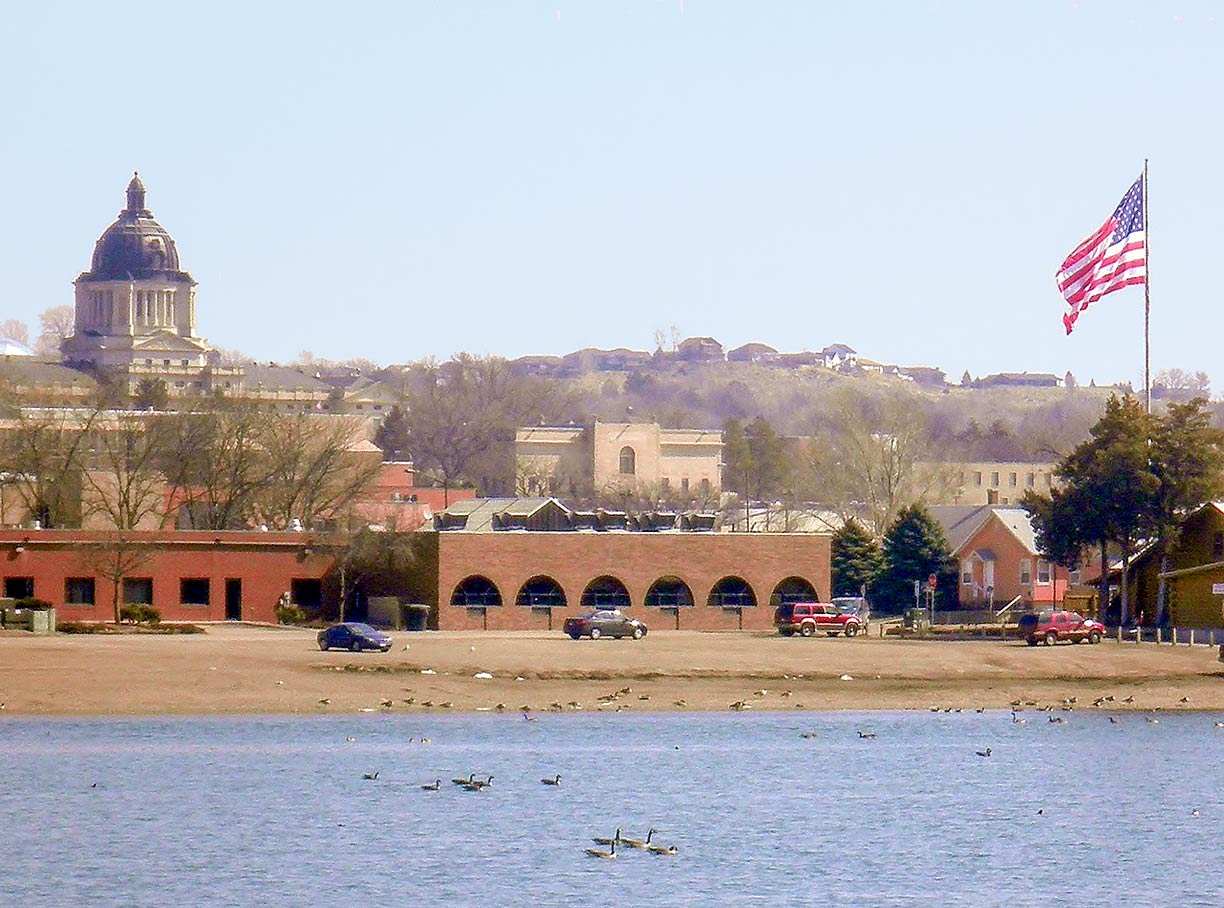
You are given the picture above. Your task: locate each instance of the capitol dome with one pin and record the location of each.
(135, 246)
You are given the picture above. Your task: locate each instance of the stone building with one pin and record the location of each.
(612, 460)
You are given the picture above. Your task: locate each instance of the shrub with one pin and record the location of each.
(140, 614)
(31, 604)
(290, 614)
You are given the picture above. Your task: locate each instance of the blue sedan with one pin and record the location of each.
(353, 636)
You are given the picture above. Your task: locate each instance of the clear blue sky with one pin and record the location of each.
(408, 179)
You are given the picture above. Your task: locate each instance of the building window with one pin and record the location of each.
(1026, 571)
(78, 591)
(1031, 479)
(994, 480)
(666, 485)
(628, 461)
(705, 488)
(1043, 571)
(186, 362)
(684, 487)
(967, 572)
(977, 479)
(138, 591)
(1048, 480)
(1217, 547)
(1011, 480)
(18, 587)
(193, 591)
(1073, 577)
(165, 362)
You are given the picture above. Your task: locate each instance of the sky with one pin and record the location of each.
(402, 180)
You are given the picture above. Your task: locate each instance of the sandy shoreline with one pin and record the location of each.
(249, 670)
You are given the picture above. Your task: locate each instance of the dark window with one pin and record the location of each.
(193, 591)
(669, 592)
(476, 592)
(78, 591)
(1217, 546)
(731, 592)
(705, 488)
(605, 592)
(18, 587)
(541, 592)
(138, 591)
(628, 461)
(794, 589)
(306, 592)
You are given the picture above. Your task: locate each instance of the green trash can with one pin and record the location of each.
(916, 619)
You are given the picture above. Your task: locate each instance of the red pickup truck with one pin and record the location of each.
(1053, 627)
(806, 618)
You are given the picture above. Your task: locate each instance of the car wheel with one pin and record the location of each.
(638, 633)
(574, 636)
(1094, 637)
(596, 633)
(1031, 641)
(323, 645)
(1051, 638)
(851, 630)
(807, 630)
(355, 646)
(785, 633)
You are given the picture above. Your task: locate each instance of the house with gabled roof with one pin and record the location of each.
(996, 549)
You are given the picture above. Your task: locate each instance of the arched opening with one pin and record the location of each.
(541, 594)
(605, 592)
(628, 461)
(476, 592)
(732, 594)
(793, 589)
(669, 595)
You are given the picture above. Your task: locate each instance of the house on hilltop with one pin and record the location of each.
(1018, 380)
(753, 353)
(839, 356)
(700, 350)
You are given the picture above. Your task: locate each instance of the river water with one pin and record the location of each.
(273, 811)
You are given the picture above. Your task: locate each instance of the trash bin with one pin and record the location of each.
(42, 621)
(916, 619)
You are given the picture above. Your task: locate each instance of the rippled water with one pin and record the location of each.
(274, 811)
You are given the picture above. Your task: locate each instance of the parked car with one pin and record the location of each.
(1052, 627)
(806, 618)
(857, 606)
(353, 636)
(609, 622)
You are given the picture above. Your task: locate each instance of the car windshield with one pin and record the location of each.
(362, 629)
(849, 606)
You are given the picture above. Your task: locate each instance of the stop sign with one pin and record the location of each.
(931, 581)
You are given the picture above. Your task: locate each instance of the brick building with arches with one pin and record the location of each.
(507, 576)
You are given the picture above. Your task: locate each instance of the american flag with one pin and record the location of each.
(1113, 257)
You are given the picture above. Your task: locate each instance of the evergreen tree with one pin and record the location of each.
(856, 559)
(914, 549)
(392, 434)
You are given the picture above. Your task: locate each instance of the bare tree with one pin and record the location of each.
(55, 325)
(15, 329)
(124, 484)
(45, 452)
(873, 458)
(114, 559)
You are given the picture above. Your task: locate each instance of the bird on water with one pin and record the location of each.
(555, 780)
(370, 776)
(610, 854)
(434, 787)
(640, 843)
(983, 753)
(608, 841)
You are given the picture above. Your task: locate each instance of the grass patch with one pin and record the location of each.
(81, 627)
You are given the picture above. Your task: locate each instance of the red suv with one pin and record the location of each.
(1052, 627)
(807, 618)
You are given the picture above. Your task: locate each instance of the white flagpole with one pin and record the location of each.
(1147, 296)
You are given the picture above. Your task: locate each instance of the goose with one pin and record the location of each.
(555, 780)
(1113, 720)
(662, 849)
(639, 843)
(866, 734)
(478, 784)
(467, 781)
(434, 787)
(983, 753)
(610, 854)
(1152, 719)
(370, 776)
(605, 841)
(1219, 725)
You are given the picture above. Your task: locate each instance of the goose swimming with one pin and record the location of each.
(639, 843)
(434, 787)
(610, 854)
(555, 780)
(605, 841)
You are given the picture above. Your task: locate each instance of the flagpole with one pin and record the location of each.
(1147, 297)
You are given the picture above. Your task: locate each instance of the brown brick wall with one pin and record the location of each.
(637, 560)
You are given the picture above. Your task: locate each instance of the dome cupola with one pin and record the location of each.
(135, 246)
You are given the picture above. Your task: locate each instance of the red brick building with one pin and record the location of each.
(187, 576)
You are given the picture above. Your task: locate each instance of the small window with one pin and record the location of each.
(1031, 480)
(977, 479)
(684, 487)
(186, 363)
(628, 461)
(705, 488)
(1049, 480)
(994, 480)
(1026, 571)
(665, 485)
(193, 591)
(138, 591)
(165, 362)
(1011, 480)
(966, 572)
(1043, 571)
(18, 587)
(78, 591)
(1217, 547)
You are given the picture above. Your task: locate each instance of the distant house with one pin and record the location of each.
(753, 353)
(799, 360)
(839, 356)
(926, 376)
(1195, 573)
(700, 350)
(996, 550)
(620, 360)
(536, 365)
(864, 365)
(1018, 380)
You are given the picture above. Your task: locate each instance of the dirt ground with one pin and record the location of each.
(244, 669)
